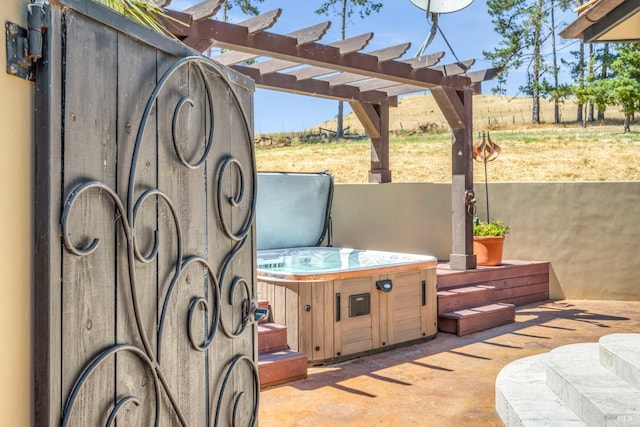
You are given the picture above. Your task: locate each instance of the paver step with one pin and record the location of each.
(280, 367)
(453, 299)
(523, 398)
(594, 393)
(271, 337)
(620, 353)
(467, 321)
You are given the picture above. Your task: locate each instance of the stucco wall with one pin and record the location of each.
(590, 232)
(16, 191)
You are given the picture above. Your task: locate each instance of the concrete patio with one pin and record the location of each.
(444, 382)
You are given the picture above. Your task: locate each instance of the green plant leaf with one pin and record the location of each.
(493, 228)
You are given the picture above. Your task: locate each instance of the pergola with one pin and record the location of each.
(369, 81)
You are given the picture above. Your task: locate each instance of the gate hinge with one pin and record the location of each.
(24, 47)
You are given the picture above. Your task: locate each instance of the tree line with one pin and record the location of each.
(604, 75)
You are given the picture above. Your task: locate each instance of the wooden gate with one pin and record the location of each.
(144, 232)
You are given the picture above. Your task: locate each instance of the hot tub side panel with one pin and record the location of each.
(357, 316)
(306, 309)
(409, 311)
(327, 321)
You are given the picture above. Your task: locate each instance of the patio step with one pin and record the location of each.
(518, 383)
(620, 353)
(597, 382)
(271, 337)
(593, 392)
(458, 298)
(470, 320)
(279, 367)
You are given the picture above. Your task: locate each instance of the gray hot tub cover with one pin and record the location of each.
(292, 209)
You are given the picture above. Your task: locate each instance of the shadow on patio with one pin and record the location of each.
(447, 381)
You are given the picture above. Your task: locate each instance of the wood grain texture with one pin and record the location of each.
(88, 282)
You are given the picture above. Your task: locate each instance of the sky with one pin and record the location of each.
(469, 32)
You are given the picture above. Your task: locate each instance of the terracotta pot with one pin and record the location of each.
(488, 249)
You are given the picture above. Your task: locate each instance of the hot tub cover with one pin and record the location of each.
(292, 209)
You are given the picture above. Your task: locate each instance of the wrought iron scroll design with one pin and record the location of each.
(128, 212)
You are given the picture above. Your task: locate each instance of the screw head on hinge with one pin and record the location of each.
(13, 28)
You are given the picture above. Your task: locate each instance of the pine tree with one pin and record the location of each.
(625, 86)
(521, 25)
(346, 9)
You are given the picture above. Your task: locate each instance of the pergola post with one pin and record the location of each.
(457, 108)
(375, 120)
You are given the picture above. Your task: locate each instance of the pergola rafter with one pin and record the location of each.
(370, 81)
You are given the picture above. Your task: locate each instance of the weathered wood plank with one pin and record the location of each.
(89, 288)
(232, 168)
(177, 350)
(134, 87)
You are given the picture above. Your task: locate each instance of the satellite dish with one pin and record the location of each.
(441, 6)
(435, 8)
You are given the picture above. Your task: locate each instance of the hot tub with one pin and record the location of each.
(337, 303)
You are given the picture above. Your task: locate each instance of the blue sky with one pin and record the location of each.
(468, 31)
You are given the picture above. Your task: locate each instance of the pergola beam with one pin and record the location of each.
(234, 37)
(288, 83)
(303, 36)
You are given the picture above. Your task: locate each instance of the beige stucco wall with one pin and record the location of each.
(590, 232)
(16, 194)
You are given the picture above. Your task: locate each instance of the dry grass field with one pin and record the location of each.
(566, 152)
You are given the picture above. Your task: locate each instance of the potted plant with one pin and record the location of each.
(488, 240)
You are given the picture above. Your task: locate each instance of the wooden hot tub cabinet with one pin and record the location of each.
(335, 318)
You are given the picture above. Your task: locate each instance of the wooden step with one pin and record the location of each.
(264, 304)
(459, 298)
(271, 337)
(515, 282)
(280, 367)
(467, 321)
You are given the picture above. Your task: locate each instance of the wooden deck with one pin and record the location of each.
(515, 282)
(474, 300)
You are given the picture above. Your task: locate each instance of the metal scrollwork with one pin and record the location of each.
(235, 363)
(219, 290)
